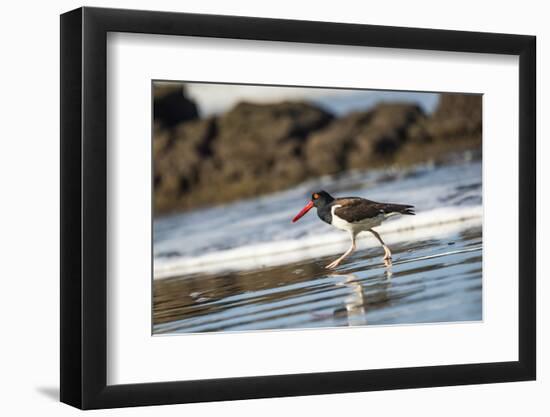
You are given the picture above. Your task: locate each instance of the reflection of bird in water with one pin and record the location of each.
(354, 215)
(357, 301)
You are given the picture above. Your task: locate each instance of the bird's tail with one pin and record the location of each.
(402, 209)
(407, 210)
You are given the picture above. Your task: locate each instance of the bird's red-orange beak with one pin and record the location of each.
(303, 211)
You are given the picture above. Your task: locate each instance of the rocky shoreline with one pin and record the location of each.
(255, 149)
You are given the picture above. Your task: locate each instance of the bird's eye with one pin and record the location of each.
(315, 196)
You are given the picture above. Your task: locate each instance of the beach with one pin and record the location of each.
(243, 266)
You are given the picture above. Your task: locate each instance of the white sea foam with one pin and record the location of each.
(434, 223)
(257, 232)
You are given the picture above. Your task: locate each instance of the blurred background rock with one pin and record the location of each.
(253, 147)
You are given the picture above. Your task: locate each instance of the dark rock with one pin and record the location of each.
(161, 139)
(171, 106)
(383, 136)
(252, 149)
(356, 140)
(258, 146)
(458, 116)
(327, 150)
(177, 163)
(452, 105)
(255, 149)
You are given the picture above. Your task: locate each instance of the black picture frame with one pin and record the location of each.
(84, 207)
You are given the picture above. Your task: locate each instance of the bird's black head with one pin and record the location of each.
(321, 198)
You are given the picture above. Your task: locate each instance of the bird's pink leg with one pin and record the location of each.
(337, 262)
(387, 252)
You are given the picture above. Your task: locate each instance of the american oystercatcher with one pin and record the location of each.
(354, 215)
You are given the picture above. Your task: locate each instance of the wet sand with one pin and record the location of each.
(430, 281)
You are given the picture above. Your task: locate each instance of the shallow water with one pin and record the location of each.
(244, 266)
(433, 280)
(257, 232)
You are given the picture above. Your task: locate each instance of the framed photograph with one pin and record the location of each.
(258, 208)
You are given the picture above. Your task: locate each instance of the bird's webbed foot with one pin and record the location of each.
(333, 264)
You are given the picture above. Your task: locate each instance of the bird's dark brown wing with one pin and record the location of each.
(355, 209)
